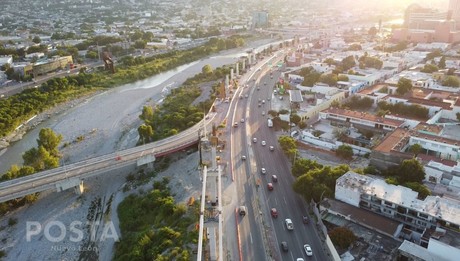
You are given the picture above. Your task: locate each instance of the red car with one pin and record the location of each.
(270, 186)
(274, 212)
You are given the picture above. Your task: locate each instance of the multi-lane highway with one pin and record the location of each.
(260, 233)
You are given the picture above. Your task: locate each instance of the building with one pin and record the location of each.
(6, 60)
(436, 250)
(53, 64)
(421, 219)
(260, 19)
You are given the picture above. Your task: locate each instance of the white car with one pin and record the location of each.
(308, 250)
(300, 259)
(272, 148)
(289, 224)
(254, 140)
(264, 143)
(263, 170)
(242, 120)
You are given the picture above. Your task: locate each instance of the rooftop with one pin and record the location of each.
(392, 141)
(445, 208)
(365, 116)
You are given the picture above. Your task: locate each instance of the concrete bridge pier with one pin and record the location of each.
(75, 183)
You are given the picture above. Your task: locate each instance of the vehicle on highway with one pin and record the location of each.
(242, 210)
(264, 143)
(258, 88)
(305, 219)
(270, 186)
(265, 83)
(281, 97)
(274, 212)
(308, 250)
(254, 140)
(245, 96)
(284, 246)
(274, 178)
(263, 170)
(263, 101)
(241, 96)
(289, 224)
(235, 124)
(268, 98)
(242, 120)
(260, 105)
(272, 148)
(259, 100)
(274, 91)
(243, 157)
(263, 113)
(300, 259)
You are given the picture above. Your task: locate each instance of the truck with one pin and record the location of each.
(270, 123)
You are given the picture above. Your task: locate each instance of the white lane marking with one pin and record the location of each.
(250, 235)
(276, 202)
(292, 256)
(284, 198)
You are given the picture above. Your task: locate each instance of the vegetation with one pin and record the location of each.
(310, 76)
(177, 113)
(429, 68)
(451, 81)
(401, 46)
(372, 62)
(342, 237)
(415, 149)
(319, 182)
(404, 86)
(414, 110)
(153, 227)
(345, 152)
(45, 156)
(356, 102)
(329, 79)
(288, 145)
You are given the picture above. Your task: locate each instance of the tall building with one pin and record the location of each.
(260, 19)
(454, 10)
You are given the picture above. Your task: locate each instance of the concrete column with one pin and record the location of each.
(237, 69)
(213, 155)
(227, 81)
(79, 189)
(231, 74)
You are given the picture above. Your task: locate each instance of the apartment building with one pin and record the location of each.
(421, 219)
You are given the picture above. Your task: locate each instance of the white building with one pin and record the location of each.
(6, 60)
(399, 203)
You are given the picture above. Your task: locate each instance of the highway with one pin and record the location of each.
(282, 197)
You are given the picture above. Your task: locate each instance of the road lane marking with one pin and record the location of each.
(285, 200)
(276, 202)
(250, 235)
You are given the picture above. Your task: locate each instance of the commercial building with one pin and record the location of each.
(260, 19)
(421, 219)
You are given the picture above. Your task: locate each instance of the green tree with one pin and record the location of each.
(301, 166)
(372, 31)
(36, 39)
(288, 145)
(411, 171)
(355, 47)
(40, 159)
(404, 86)
(145, 133)
(423, 191)
(207, 69)
(295, 118)
(147, 114)
(343, 78)
(49, 140)
(329, 79)
(344, 151)
(415, 149)
(140, 44)
(348, 63)
(329, 61)
(342, 237)
(442, 62)
(451, 81)
(429, 68)
(92, 55)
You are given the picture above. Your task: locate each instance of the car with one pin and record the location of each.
(235, 124)
(241, 96)
(263, 113)
(258, 88)
(305, 219)
(263, 101)
(284, 246)
(245, 96)
(243, 157)
(264, 143)
(242, 210)
(254, 140)
(242, 120)
(268, 98)
(281, 97)
(275, 91)
(265, 83)
(259, 100)
(272, 148)
(260, 105)
(300, 259)
(270, 186)
(274, 212)
(274, 178)
(263, 170)
(289, 224)
(308, 250)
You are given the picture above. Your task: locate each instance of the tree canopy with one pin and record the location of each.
(404, 86)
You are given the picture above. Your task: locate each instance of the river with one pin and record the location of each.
(108, 121)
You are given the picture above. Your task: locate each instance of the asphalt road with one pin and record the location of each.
(282, 197)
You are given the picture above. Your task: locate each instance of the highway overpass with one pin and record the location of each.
(72, 175)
